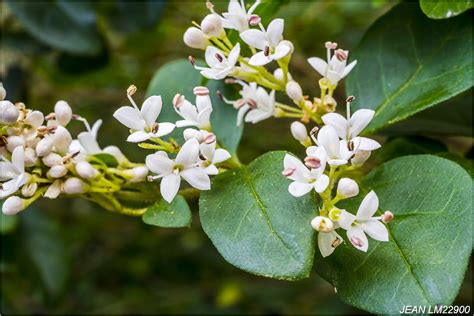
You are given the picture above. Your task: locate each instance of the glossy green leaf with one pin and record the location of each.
(180, 77)
(174, 215)
(430, 238)
(108, 159)
(66, 25)
(401, 71)
(254, 222)
(444, 9)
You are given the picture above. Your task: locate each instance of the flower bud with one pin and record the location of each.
(63, 112)
(8, 113)
(62, 139)
(138, 174)
(387, 217)
(29, 189)
(117, 153)
(212, 25)
(30, 157)
(278, 74)
(85, 170)
(191, 133)
(54, 190)
(44, 146)
(57, 171)
(322, 224)
(195, 38)
(35, 119)
(360, 157)
(299, 131)
(347, 188)
(52, 159)
(3, 92)
(14, 142)
(75, 186)
(13, 205)
(293, 90)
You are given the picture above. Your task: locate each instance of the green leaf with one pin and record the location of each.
(108, 159)
(401, 70)
(65, 25)
(430, 238)
(44, 244)
(8, 223)
(174, 215)
(132, 16)
(267, 9)
(444, 9)
(255, 223)
(463, 162)
(180, 77)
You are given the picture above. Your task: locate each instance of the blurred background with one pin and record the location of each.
(70, 256)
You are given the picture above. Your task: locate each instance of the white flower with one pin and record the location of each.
(200, 135)
(270, 42)
(13, 175)
(86, 142)
(304, 179)
(143, 122)
(8, 113)
(337, 151)
(335, 68)
(256, 104)
(328, 242)
(170, 171)
(198, 115)
(220, 66)
(211, 156)
(237, 17)
(349, 128)
(322, 224)
(363, 223)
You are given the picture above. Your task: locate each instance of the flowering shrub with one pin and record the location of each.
(268, 218)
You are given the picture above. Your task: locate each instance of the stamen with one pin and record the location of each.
(387, 217)
(230, 81)
(314, 130)
(178, 100)
(209, 5)
(252, 103)
(220, 95)
(312, 162)
(131, 90)
(350, 98)
(350, 145)
(3, 141)
(50, 116)
(239, 103)
(288, 172)
(201, 91)
(336, 242)
(330, 45)
(219, 57)
(341, 55)
(154, 128)
(192, 60)
(254, 20)
(266, 51)
(201, 156)
(356, 241)
(209, 139)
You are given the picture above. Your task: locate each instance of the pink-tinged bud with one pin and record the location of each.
(254, 20)
(350, 98)
(8, 113)
(294, 91)
(85, 170)
(357, 242)
(347, 188)
(195, 38)
(209, 139)
(387, 217)
(314, 131)
(288, 172)
(330, 45)
(13, 205)
(322, 224)
(28, 190)
(201, 91)
(252, 103)
(211, 25)
(30, 157)
(299, 131)
(63, 112)
(52, 159)
(75, 186)
(341, 55)
(138, 174)
(178, 100)
(44, 146)
(312, 162)
(3, 92)
(14, 142)
(57, 171)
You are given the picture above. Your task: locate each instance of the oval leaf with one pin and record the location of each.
(254, 222)
(444, 9)
(402, 71)
(108, 159)
(174, 215)
(430, 239)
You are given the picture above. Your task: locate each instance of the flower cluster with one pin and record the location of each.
(195, 160)
(39, 157)
(340, 148)
(225, 60)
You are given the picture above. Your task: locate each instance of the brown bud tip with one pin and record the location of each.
(350, 98)
(254, 20)
(201, 91)
(387, 217)
(178, 100)
(288, 172)
(192, 60)
(219, 57)
(330, 45)
(312, 162)
(131, 90)
(209, 139)
(314, 130)
(341, 55)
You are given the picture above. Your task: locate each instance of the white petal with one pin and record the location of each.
(300, 171)
(18, 159)
(348, 69)
(95, 128)
(234, 21)
(151, 108)
(359, 120)
(8, 171)
(234, 55)
(204, 117)
(275, 31)
(159, 163)
(169, 186)
(185, 123)
(375, 229)
(356, 235)
(164, 129)
(235, 8)
(319, 65)
(53, 190)
(333, 76)
(254, 38)
(88, 142)
(220, 155)
(138, 137)
(212, 74)
(208, 150)
(337, 162)
(326, 241)
(327, 137)
(210, 56)
(130, 117)
(240, 115)
(8, 188)
(298, 189)
(339, 123)
(189, 153)
(280, 51)
(364, 143)
(257, 115)
(188, 111)
(259, 59)
(322, 183)
(197, 178)
(368, 207)
(346, 219)
(211, 170)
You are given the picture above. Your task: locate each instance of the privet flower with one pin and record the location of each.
(255, 105)
(336, 150)
(220, 66)
(198, 115)
(237, 17)
(210, 156)
(304, 179)
(13, 175)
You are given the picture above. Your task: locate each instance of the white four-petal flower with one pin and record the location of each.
(335, 68)
(237, 17)
(13, 175)
(337, 151)
(220, 66)
(304, 179)
(212, 156)
(256, 104)
(198, 115)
